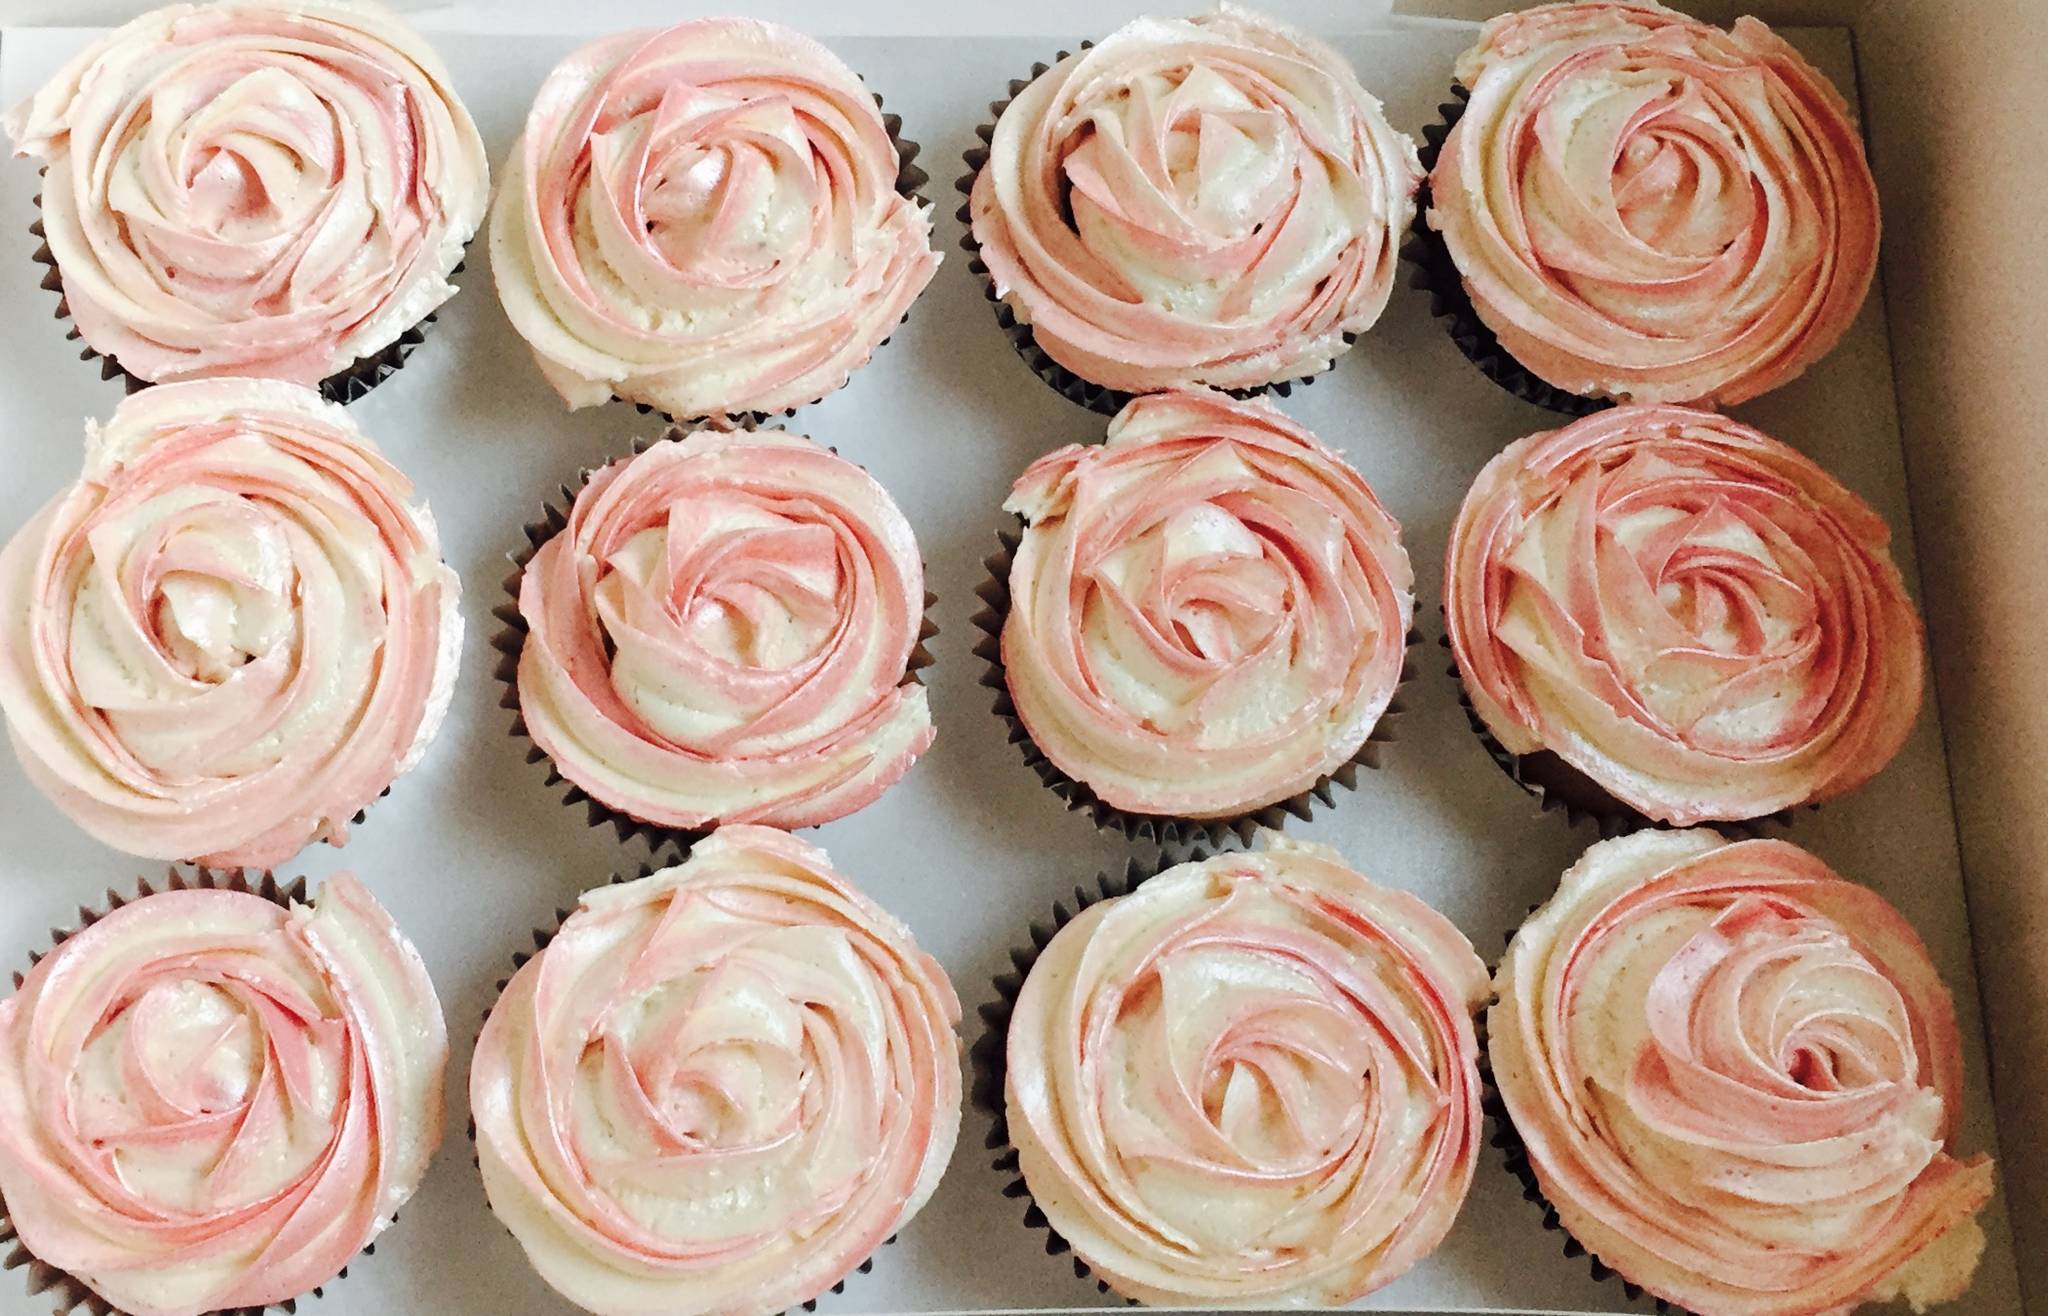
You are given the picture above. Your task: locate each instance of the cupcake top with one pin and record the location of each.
(232, 632)
(1251, 1082)
(211, 1101)
(1737, 1076)
(1212, 201)
(254, 189)
(719, 1088)
(1208, 611)
(1692, 614)
(722, 633)
(706, 219)
(1646, 207)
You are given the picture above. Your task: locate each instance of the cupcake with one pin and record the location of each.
(1211, 201)
(722, 630)
(1207, 614)
(1738, 1079)
(714, 219)
(1666, 615)
(1250, 1082)
(256, 190)
(232, 632)
(213, 1097)
(718, 1088)
(1643, 207)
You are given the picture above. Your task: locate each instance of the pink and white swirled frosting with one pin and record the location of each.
(719, 1088)
(254, 189)
(1691, 613)
(705, 219)
(1253, 1082)
(1738, 1078)
(1213, 200)
(1208, 611)
(210, 1101)
(232, 632)
(722, 633)
(1649, 208)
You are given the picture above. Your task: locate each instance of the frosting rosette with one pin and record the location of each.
(253, 189)
(718, 1088)
(1251, 1082)
(722, 633)
(1688, 612)
(1646, 207)
(232, 632)
(1213, 200)
(210, 1100)
(1208, 611)
(1737, 1076)
(705, 219)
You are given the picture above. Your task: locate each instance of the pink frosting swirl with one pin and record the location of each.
(1252, 1082)
(1205, 201)
(1208, 611)
(705, 219)
(1649, 208)
(1737, 1076)
(211, 1101)
(254, 189)
(719, 1088)
(232, 632)
(1692, 614)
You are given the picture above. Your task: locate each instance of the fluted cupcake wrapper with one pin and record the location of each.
(1163, 829)
(1433, 271)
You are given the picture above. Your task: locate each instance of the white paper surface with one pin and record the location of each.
(473, 851)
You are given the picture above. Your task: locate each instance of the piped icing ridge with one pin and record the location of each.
(1253, 1082)
(722, 634)
(705, 219)
(718, 1088)
(1208, 611)
(1649, 208)
(1737, 1076)
(232, 632)
(210, 1101)
(1209, 201)
(254, 189)
(1691, 613)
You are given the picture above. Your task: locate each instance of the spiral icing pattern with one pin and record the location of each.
(1648, 208)
(1737, 1076)
(232, 632)
(1253, 1082)
(705, 219)
(719, 1088)
(210, 1101)
(254, 189)
(1689, 612)
(1208, 611)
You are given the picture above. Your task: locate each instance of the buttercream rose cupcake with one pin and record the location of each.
(723, 628)
(1206, 617)
(1249, 1081)
(718, 1088)
(1634, 205)
(255, 189)
(1661, 614)
(1737, 1078)
(715, 219)
(1210, 201)
(232, 633)
(214, 1096)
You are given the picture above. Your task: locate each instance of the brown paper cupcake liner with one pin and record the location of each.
(1096, 397)
(510, 641)
(1434, 272)
(1163, 829)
